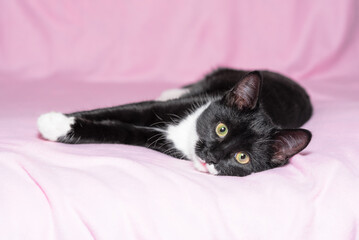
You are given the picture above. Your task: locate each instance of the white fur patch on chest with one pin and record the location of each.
(184, 135)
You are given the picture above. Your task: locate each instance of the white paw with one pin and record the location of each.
(172, 94)
(53, 125)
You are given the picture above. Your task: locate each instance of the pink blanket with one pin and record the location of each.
(75, 55)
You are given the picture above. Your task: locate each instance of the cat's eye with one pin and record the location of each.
(221, 130)
(242, 157)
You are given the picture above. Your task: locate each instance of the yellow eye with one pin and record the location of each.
(221, 130)
(242, 157)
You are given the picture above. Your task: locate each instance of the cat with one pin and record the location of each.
(232, 122)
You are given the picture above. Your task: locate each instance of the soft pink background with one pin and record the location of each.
(75, 55)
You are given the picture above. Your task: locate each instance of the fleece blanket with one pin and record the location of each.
(75, 55)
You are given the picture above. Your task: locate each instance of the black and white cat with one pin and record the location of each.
(230, 123)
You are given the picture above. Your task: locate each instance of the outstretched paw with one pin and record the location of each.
(54, 125)
(172, 94)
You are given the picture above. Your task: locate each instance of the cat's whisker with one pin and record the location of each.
(154, 136)
(158, 116)
(159, 123)
(154, 143)
(78, 139)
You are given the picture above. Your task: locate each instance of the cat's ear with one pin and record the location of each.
(246, 92)
(289, 142)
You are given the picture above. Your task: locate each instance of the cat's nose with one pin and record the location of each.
(213, 161)
(212, 158)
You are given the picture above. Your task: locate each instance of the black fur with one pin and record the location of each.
(261, 110)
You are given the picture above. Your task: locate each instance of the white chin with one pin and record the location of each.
(211, 169)
(201, 166)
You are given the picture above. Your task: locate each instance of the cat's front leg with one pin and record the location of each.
(58, 127)
(147, 114)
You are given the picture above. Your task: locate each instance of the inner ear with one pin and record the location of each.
(289, 142)
(246, 92)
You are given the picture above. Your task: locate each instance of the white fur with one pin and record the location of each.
(211, 169)
(184, 135)
(172, 94)
(53, 125)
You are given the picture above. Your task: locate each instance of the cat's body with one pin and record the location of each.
(230, 123)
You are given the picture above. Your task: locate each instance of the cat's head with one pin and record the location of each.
(237, 137)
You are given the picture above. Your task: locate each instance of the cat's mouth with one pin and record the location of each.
(202, 166)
